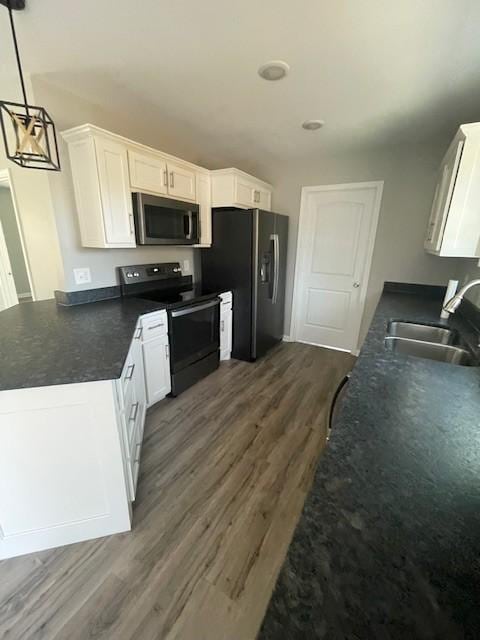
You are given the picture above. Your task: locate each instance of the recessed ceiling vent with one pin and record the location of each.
(313, 125)
(274, 70)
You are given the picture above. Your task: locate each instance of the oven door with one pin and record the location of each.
(194, 333)
(165, 221)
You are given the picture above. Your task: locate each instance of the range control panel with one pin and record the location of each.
(149, 272)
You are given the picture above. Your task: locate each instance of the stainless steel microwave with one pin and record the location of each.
(165, 221)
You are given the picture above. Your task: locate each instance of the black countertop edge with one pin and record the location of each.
(85, 296)
(387, 546)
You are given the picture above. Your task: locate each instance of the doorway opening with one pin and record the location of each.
(336, 237)
(15, 281)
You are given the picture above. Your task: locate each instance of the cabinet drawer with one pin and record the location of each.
(133, 461)
(154, 325)
(133, 416)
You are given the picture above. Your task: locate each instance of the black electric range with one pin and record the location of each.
(193, 318)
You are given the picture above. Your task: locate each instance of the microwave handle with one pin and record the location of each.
(189, 233)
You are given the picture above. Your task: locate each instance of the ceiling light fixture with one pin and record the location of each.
(274, 70)
(28, 131)
(313, 125)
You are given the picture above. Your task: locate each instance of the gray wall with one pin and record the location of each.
(409, 180)
(470, 270)
(12, 239)
(68, 111)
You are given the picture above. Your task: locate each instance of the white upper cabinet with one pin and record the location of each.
(204, 200)
(181, 182)
(454, 224)
(102, 189)
(234, 188)
(153, 173)
(116, 200)
(107, 169)
(148, 172)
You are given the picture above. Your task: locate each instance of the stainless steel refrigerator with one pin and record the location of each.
(248, 256)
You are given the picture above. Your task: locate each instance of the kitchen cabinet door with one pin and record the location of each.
(148, 172)
(156, 355)
(245, 192)
(235, 188)
(443, 197)
(181, 182)
(117, 209)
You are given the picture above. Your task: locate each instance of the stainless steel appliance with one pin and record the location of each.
(165, 221)
(193, 318)
(248, 256)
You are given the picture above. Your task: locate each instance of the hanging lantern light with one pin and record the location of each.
(28, 131)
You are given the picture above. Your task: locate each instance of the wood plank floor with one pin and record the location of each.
(224, 475)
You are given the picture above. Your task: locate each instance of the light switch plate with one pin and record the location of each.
(82, 275)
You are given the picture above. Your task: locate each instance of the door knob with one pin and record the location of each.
(356, 285)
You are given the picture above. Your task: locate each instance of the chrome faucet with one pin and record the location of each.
(452, 305)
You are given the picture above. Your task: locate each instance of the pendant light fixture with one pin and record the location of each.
(28, 131)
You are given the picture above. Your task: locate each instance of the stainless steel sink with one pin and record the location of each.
(424, 332)
(430, 350)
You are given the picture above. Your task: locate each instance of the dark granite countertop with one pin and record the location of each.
(388, 544)
(42, 343)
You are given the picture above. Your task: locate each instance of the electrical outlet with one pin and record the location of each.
(82, 275)
(186, 266)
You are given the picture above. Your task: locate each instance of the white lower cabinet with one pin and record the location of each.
(62, 477)
(226, 318)
(132, 407)
(157, 369)
(156, 355)
(70, 454)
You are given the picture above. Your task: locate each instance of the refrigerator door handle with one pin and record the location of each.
(276, 262)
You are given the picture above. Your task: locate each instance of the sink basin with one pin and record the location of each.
(424, 332)
(430, 350)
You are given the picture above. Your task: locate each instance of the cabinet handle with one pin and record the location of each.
(156, 326)
(132, 228)
(130, 370)
(134, 410)
(167, 351)
(137, 452)
(165, 178)
(222, 325)
(172, 179)
(139, 333)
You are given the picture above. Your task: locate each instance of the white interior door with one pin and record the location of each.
(335, 246)
(8, 293)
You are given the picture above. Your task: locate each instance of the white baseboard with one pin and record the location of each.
(287, 339)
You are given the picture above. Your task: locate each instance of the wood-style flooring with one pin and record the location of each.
(224, 474)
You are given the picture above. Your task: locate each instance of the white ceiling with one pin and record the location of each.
(379, 72)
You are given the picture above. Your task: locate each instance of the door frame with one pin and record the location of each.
(6, 179)
(301, 242)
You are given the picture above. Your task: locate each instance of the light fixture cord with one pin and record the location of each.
(17, 54)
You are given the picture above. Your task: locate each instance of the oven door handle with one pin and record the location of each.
(197, 307)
